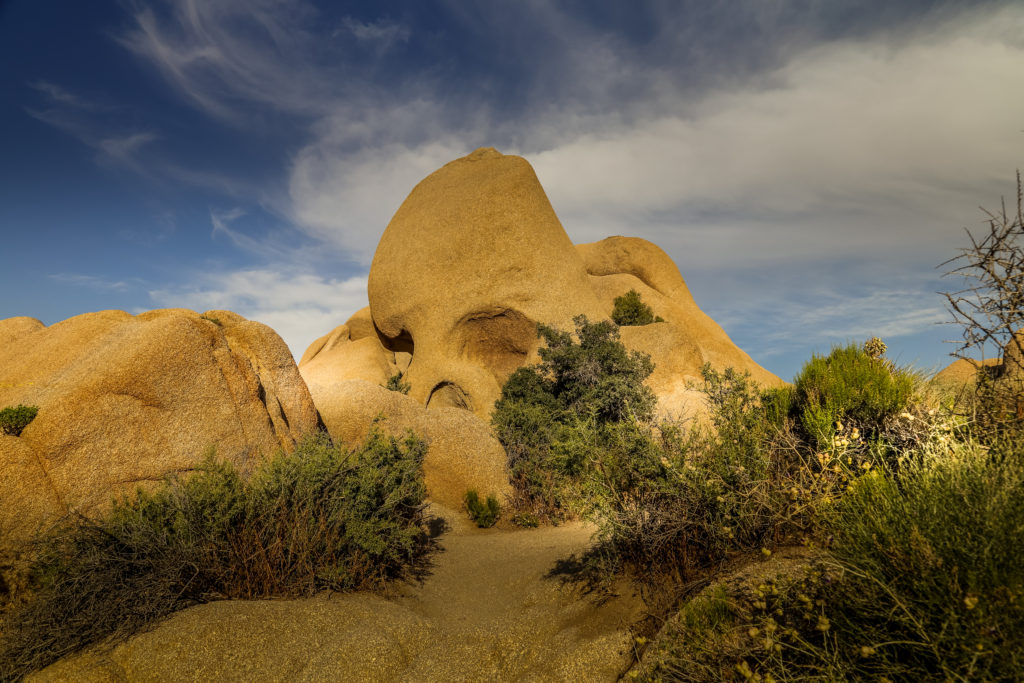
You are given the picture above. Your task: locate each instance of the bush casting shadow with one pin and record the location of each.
(322, 517)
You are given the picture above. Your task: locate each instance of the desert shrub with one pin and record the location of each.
(672, 503)
(849, 387)
(395, 383)
(923, 583)
(321, 517)
(552, 415)
(918, 577)
(629, 309)
(935, 583)
(210, 318)
(484, 514)
(14, 419)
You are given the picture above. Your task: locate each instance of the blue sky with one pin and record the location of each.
(807, 164)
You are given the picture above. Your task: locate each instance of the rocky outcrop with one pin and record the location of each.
(462, 452)
(124, 400)
(473, 259)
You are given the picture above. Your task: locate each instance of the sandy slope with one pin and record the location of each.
(488, 612)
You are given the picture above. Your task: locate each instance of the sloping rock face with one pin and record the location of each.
(474, 258)
(687, 339)
(124, 400)
(964, 371)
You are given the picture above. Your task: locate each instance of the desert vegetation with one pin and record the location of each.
(629, 309)
(396, 383)
(14, 419)
(896, 504)
(903, 516)
(484, 513)
(322, 517)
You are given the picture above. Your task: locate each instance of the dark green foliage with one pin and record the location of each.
(13, 420)
(484, 514)
(918, 530)
(849, 387)
(670, 503)
(550, 416)
(596, 375)
(923, 583)
(629, 309)
(934, 579)
(210, 318)
(395, 383)
(322, 517)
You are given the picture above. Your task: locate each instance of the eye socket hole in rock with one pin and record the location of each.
(402, 343)
(448, 395)
(499, 340)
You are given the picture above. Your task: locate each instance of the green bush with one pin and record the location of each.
(934, 584)
(14, 420)
(849, 388)
(320, 517)
(550, 417)
(629, 309)
(922, 583)
(210, 318)
(395, 383)
(672, 503)
(484, 514)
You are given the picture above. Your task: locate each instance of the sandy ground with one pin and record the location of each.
(489, 611)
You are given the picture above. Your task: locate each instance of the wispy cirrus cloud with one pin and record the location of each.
(381, 33)
(62, 96)
(92, 282)
(88, 122)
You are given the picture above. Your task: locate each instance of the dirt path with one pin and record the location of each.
(488, 612)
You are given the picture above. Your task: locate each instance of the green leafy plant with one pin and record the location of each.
(485, 514)
(321, 517)
(395, 383)
(210, 318)
(849, 388)
(629, 309)
(551, 416)
(674, 502)
(14, 419)
(921, 583)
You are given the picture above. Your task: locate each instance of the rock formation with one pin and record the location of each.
(462, 452)
(124, 400)
(473, 259)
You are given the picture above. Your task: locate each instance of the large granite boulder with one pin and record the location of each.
(472, 260)
(125, 400)
(462, 453)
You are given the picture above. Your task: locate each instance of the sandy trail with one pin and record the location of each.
(487, 612)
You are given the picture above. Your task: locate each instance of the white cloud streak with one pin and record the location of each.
(91, 281)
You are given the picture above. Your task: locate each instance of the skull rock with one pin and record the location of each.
(472, 260)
